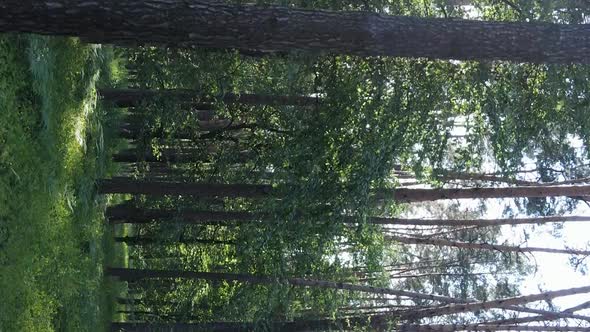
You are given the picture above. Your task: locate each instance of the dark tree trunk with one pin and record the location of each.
(172, 156)
(377, 323)
(142, 241)
(135, 97)
(126, 213)
(215, 24)
(131, 186)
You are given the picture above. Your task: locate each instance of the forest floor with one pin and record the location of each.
(54, 139)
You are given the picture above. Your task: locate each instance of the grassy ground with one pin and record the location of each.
(53, 142)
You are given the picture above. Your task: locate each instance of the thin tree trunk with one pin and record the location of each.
(131, 186)
(484, 246)
(483, 327)
(407, 195)
(215, 24)
(135, 97)
(142, 241)
(138, 274)
(487, 305)
(475, 222)
(171, 156)
(126, 213)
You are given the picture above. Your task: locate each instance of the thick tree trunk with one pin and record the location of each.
(126, 213)
(131, 186)
(138, 274)
(484, 246)
(215, 24)
(135, 97)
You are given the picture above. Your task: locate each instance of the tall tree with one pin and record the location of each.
(247, 27)
(134, 97)
(138, 274)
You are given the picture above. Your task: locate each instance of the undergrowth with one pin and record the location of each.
(54, 137)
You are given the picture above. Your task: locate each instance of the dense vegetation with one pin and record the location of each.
(52, 150)
(251, 189)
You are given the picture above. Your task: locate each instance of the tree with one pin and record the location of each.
(485, 246)
(271, 28)
(138, 274)
(134, 97)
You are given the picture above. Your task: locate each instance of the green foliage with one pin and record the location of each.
(51, 153)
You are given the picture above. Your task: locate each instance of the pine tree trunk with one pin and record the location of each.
(135, 97)
(408, 195)
(487, 305)
(484, 327)
(377, 323)
(475, 222)
(142, 241)
(131, 186)
(215, 24)
(125, 185)
(171, 156)
(125, 274)
(126, 213)
(484, 246)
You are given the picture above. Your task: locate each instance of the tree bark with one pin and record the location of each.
(404, 195)
(135, 97)
(142, 241)
(216, 24)
(483, 327)
(126, 213)
(407, 195)
(138, 274)
(484, 246)
(486, 305)
(131, 186)
(171, 156)
(475, 222)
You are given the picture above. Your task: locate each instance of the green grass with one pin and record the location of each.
(53, 143)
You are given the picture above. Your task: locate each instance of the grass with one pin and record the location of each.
(54, 139)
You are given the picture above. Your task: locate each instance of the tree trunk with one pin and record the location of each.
(215, 24)
(484, 327)
(131, 186)
(407, 195)
(475, 222)
(135, 97)
(126, 213)
(138, 274)
(484, 246)
(142, 241)
(171, 156)
(377, 323)
(457, 308)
